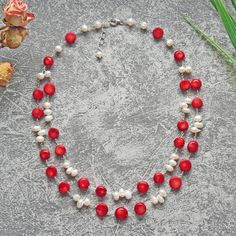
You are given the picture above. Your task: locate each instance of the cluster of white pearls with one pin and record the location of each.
(185, 69)
(184, 106)
(198, 124)
(80, 202)
(40, 133)
(47, 112)
(122, 194)
(46, 75)
(159, 198)
(70, 170)
(172, 162)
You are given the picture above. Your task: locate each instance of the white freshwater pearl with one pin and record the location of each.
(181, 69)
(80, 203)
(188, 69)
(128, 194)
(154, 200)
(48, 118)
(174, 157)
(122, 192)
(42, 132)
(162, 193)
(87, 202)
(40, 139)
(198, 118)
(40, 76)
(58, 49)
(172, 163)
(169, 43)
(36, 128)
(47, 105)
(130, 22)
(84, 28)
(76, 197)
(74, 172)
(160, 198)
(169, 168)
(99, 55)
(183, 105)
(188, 100)
(186, 110)
(47, 74)
(195, 130)
(199, 125)
(47, 112)
(66, 164)
(116, 196)
(98, 25)
(69, 170)
(143, 25)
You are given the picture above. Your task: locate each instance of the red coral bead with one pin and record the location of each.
(53, 133)
(83, 183)
(185, 165)
(48, 61)
(51, 171)
(121, 213)
(157, 33)
(179, 55)
(158, 178)
(182, 125)
(64, 187)
(193, 146)
(38, 94)
(44, 154)
(70, 37)
(142, 186)
(179, 142)
(101, 209)
(196, 84)
(140, 208)
(185, 84)
(175, 182)
(37, 113)
(197, 102)
(49, 88)
(60, 150)
(101, 191)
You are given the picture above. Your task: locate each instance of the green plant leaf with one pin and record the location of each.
(210, 40)
(227, 19)
(234, 4)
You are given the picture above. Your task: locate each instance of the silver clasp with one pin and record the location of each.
(115, 22)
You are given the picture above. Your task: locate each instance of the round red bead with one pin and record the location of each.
(184, 84)
(157, 33)
(142, 186)
(121, 213)
(140, 208)
(101, 191)
(179, 55)
(83, 183)
(196, 84)
(101, 209)
(48, 61)
(175, 182)
(37, 113)
(60, 150)
(70, 37)
(193, 146)
(64, 187)
(49, 88)
(51, 171)
(185, 165)
(158, 178)
(179, 142)
(197, 102)
(44, 154)
(182, 125)
(38, 94)
(53, 133)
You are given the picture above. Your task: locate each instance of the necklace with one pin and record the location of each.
(45, 132)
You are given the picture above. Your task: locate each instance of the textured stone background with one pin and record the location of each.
(117, 118)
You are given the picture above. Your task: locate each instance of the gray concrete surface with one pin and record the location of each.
(116, 118)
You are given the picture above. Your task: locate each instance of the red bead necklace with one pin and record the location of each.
(176, 161)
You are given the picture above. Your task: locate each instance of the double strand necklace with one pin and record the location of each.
(45, 132)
